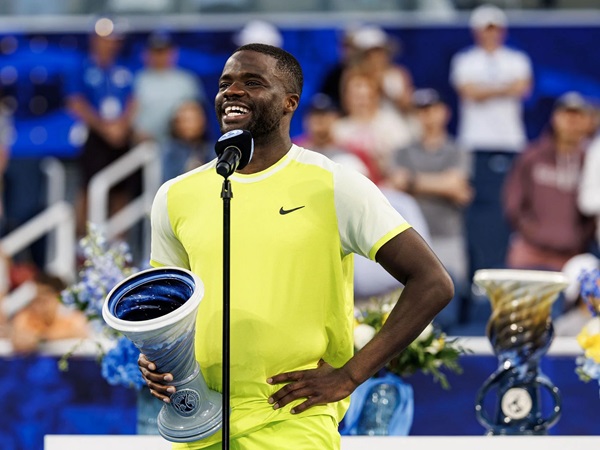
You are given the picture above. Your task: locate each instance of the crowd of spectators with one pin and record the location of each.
(483, 198)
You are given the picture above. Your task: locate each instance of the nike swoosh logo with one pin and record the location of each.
(287, 211)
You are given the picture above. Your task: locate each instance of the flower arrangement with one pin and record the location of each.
(105, 265)
(588, 365)
(431, 352)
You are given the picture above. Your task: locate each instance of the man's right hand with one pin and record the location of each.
(157, 382)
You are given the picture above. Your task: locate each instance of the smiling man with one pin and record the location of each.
(297, 219)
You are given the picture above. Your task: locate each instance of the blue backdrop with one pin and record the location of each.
(32, 73)
(39, 399)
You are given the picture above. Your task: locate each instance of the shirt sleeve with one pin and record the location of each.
(589, 200)
(165, 248)
(366, 219)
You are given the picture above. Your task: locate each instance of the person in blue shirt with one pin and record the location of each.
(99, 95)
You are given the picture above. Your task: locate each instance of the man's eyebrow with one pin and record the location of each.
(244, 76)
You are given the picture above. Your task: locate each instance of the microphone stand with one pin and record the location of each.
(226, 195)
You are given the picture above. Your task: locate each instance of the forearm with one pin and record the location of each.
(478, 93)
(79, 107)
(428, 288)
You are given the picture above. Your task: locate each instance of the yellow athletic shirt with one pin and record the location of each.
(294, 228)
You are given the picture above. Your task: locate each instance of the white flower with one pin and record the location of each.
(593, 326)
(363, 333)
(425, 333)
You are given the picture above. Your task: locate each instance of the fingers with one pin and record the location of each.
(157, 382)
(291, 392)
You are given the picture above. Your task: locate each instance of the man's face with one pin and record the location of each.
(571, 124)
(251, 94)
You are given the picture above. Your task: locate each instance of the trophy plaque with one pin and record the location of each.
(156, 309)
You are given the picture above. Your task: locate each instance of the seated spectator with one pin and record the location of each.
(188, 146)
(436, 172)
(375, 52)
(540, 193)
(365, 124)
(318, 123)
(44, 318)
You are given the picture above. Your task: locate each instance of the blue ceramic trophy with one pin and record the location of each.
(156, 309)
(520, 331)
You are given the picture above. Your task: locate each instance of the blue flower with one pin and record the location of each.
(119, 365)
(105, 265)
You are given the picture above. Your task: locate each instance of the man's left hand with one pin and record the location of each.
(319, 386)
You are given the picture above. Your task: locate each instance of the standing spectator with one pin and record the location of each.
(491, 80)
(589, 187)
(540, 194)
(159, 89)
(436, 172)
(99, 94)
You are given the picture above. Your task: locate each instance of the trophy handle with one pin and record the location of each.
(545, 382)
(480, 413)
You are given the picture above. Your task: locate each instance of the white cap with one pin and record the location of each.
(486, 15)
(369, 37)
(261, 32)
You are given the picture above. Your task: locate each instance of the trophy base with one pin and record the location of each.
(206, 421)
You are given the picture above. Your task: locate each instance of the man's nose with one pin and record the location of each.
(234, 90)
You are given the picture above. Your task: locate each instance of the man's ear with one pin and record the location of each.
(291, 102)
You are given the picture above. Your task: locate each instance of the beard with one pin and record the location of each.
(264, 120)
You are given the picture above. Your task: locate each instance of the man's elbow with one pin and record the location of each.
(444, 289)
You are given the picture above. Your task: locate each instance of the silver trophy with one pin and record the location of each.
(520, 331)
(156, 309)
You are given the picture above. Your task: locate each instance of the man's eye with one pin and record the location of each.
(252, 83)
(223, 86)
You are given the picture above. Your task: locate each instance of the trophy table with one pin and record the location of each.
(156, 309)
(520, 331)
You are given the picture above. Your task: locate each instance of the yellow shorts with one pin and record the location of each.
(306, 433)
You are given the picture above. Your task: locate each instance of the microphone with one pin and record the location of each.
(234, 150)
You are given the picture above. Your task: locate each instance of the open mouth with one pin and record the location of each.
(234, 113)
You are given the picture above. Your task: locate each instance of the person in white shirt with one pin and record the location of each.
(492, 81)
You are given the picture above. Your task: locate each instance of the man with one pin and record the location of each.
(292, 363)
(491, 80)
(159, 89)
(436, 172)
(99, 95)
(540, 194)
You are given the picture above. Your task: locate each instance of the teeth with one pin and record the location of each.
(236, 110)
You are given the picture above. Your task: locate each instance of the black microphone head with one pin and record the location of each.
(240, 139)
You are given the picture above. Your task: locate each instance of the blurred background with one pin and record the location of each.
(103, 100)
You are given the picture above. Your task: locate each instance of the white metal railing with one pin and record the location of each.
(144, 156)
(58, 218)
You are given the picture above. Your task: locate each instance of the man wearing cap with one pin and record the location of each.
(491, 80)
(435, 170)
(159, 89)
(540, 194)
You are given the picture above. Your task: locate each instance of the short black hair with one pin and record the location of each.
(286, 63)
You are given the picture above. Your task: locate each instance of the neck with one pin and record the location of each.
(433, 139)
(267, 151)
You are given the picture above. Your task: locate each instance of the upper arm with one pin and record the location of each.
(165, 247)
(407, 256)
